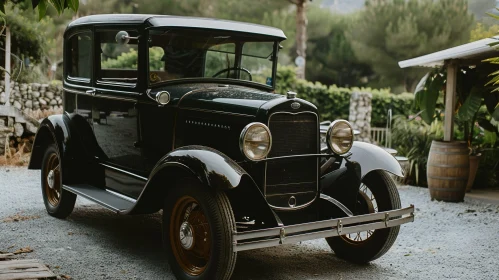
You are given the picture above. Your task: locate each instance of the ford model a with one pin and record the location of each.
(177, 114)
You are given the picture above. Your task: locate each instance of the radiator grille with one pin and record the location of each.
(292, 134)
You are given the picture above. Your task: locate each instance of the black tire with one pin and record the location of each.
(376, 245)
(216, 260)
(58, 202)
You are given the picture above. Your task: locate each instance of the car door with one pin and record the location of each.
(78, 76)
(114, 112)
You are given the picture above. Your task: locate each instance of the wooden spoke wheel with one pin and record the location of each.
(198, 226)
(58, 202)
(190, 236)
(53, 184)
(366, 204)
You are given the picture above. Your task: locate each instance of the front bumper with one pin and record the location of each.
(255, 239)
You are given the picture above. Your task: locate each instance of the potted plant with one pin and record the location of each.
(473, 91)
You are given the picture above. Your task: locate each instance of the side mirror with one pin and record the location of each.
(123, 38)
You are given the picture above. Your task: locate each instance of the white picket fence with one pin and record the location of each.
(381, 136)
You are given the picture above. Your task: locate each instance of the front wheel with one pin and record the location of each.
(377, 193)
(198, 224)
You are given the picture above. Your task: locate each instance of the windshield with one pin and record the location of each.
(181, 54)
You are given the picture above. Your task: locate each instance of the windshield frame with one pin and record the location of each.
(276, 43)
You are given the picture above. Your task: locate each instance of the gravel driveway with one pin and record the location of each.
(447, 241)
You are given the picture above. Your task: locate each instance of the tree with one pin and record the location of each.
(388, 31)
(42, 5)
(481, 31)
(28, 39)
(331, 59)
(301, 34)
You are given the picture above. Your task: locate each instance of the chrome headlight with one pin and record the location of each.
(163, 97)
(340, 137)
(255, 141)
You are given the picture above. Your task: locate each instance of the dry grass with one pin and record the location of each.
(17, 157)
(41, 114)
(17, 161)
(19, 217)
(24, 250)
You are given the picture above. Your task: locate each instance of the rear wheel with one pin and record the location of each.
(377, 193)
(58, 202)
(198, 223)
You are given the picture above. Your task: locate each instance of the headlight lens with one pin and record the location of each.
(340, 137)
(255, 141)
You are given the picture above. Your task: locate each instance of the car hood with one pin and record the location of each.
(224, 98)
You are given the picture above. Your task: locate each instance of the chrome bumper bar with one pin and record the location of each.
(255, 239)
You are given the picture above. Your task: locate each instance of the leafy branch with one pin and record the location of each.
(42, 5)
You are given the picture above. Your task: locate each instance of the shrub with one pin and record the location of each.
(488, 169)
(334, 102)
(401, 104)
(412, 138)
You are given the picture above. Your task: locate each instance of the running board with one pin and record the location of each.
(113, 201)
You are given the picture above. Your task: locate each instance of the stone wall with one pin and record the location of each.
(360, 114)
(33, 96)
(14, 125)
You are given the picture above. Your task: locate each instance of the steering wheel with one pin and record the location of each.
(153, 77)
(233, 68)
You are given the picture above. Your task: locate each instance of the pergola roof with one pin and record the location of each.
(475, 51)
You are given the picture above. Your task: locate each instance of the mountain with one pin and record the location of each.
(477, 7)
(343, 6)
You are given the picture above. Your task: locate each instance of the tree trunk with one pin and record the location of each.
(301, 35)
(7, 67)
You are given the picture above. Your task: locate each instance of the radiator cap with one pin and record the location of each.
(291, 95)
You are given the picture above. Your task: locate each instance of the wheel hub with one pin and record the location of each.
(51, 179)
(186, 236)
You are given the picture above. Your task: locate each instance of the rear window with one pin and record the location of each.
(80, 55)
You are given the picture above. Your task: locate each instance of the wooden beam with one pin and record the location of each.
(450, 100)
(24, 269)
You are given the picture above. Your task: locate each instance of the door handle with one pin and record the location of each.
(91, 92)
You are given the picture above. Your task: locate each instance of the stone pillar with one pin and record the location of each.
(360, 114)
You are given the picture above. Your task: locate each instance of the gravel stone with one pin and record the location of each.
(446, 241)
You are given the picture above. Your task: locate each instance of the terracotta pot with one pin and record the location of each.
(474, 161)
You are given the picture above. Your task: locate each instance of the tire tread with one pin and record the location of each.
(363, 253)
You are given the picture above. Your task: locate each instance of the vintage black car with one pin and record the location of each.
(178, 114)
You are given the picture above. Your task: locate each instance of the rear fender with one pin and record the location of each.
(65, 132)
(52, 130)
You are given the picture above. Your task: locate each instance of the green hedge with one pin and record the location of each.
(334, 102)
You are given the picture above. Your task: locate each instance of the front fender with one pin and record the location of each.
(210, 166)
(371, 157)
(213, 169)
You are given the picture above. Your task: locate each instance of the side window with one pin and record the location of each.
(80, 55)
(218, 58)
(118, 63)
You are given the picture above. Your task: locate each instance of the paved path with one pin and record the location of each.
(484, 195)
(447, 241)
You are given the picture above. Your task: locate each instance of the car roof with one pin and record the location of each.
(178, 21)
